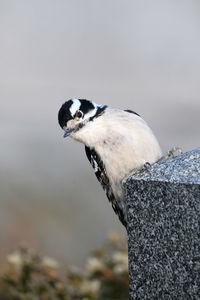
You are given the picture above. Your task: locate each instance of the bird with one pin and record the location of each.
(117, 142)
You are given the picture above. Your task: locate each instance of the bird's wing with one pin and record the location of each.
(102, 177)
(131, 111)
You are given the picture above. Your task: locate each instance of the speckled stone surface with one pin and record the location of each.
(164, 234)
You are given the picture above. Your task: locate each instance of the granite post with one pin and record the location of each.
(164, 234)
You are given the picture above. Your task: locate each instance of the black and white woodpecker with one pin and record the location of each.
(116, 142)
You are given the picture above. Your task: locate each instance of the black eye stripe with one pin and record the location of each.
(86, 106)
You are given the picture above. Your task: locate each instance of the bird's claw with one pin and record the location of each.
(145, 167)
(175, 151)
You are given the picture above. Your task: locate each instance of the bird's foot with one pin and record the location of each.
(145, 167)
(175, 151)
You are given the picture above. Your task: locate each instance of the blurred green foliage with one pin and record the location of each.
(32, 277)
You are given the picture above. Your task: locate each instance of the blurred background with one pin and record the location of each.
(142, 55)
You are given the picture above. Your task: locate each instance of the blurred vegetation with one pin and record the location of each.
(32, 277)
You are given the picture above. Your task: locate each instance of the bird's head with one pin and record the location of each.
(75, 113)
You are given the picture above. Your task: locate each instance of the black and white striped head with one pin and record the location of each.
(75, 113)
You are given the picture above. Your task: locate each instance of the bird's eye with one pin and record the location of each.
(78, 114)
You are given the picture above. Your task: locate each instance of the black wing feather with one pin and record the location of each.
(131, 112)
(102, 177)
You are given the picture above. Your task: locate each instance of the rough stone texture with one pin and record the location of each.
(164, 235)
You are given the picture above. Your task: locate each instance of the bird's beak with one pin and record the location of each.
(67, 132)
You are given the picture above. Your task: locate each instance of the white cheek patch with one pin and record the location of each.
(75, 106)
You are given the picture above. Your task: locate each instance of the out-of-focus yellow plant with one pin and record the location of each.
(31, 277)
